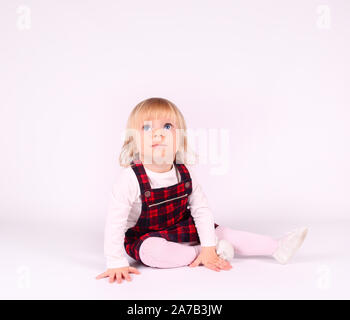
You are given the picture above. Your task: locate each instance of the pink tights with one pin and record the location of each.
(160, 253)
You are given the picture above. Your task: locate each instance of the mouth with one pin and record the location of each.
(158, 145)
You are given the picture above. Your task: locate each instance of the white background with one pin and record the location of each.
(273, 73)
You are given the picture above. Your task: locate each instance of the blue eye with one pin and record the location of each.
(168, 125)
(146, 127)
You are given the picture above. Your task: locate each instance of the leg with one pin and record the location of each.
(161, 253)
(247, 243)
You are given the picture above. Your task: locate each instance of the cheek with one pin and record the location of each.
(147, 142)
(143, 140)
(172, 140)
(145, 137)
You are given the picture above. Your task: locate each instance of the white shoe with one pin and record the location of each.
(224, 249)
(289, 244)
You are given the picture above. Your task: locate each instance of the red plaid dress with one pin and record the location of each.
(165, 212)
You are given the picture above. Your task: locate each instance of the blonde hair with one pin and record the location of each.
(155, 108)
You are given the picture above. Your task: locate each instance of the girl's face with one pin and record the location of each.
(158, 143)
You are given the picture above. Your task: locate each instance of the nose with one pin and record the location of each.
(158, 132)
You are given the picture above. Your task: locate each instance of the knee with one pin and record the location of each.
(151, 250)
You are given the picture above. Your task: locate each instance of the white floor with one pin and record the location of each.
(61, 262)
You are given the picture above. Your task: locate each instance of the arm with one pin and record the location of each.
(202, 214)
(123, 194)
(204, 221)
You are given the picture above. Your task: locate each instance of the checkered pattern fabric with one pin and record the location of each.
(165, 212)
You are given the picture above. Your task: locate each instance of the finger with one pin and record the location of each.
(226, 265)
(134, 270)
(111, 277)
(126, 276)
(195, 263)
(102, 275)
(212, 267)
(223, 263)
(216, 266)
(119, 278)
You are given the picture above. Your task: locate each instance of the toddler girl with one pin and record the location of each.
(158, 212)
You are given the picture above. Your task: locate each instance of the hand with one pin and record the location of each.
(118, 273)
(211, 260)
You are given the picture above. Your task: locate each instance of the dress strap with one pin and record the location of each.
(185, 175)
(141, 175)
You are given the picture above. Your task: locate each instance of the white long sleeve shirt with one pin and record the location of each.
(125, 208)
